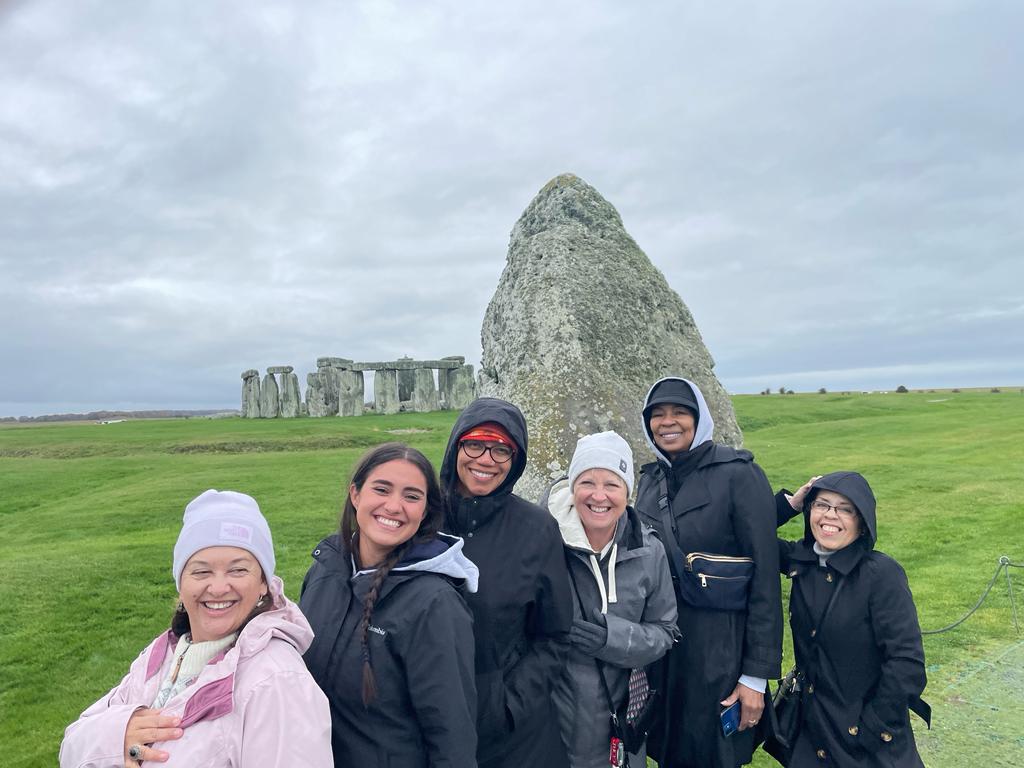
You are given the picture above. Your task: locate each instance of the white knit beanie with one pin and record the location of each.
(224, 519)
(605, 450)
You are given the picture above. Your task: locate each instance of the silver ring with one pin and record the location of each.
(135, 751)
(752, 722)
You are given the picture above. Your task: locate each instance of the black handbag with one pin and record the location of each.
(641, 709)
(784, 717)
(703, 580)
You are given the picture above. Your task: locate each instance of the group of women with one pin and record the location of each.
(450, 622)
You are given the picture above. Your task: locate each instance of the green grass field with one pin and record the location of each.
(89, 514)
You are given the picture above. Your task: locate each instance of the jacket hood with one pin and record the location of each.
(442, 555)
(853, 486)
(560, 505)
(284, 621)
(705, 423)
(482, 410)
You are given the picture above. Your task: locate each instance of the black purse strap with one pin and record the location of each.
(668, 525)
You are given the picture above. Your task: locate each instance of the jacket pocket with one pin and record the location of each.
(716, 582)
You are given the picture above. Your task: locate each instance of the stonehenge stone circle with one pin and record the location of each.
(580, 325)
(338, 388)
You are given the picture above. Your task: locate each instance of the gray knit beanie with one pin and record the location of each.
(224, 519)
(605, 450)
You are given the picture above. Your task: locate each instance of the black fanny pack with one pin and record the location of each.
(716, 582)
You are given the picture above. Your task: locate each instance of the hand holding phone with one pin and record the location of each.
(731, 718)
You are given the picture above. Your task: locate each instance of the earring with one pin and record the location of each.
(261, 601)
(181, 607)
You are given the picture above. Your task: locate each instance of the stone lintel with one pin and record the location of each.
(280, 369)
(333, 362)
(249, 374)
(405, 365)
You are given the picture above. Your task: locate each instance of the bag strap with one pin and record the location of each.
(668, 525)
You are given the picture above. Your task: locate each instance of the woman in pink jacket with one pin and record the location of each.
(226, 684)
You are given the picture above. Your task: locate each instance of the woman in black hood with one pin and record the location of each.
(855, 633)
(522, 612)
(712, 506)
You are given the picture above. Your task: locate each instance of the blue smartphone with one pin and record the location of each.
(731, 718)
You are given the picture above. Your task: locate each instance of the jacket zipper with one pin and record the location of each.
(705, 576)
(716, 558)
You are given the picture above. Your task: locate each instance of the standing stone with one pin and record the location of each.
(332, 385)
(251, 394)
(351, 388)
(270, 403)
(424, 394)
(290, 396)
(462, 389)
(443, 387)
(406, 381)
(580, 326)
(316, 404)
(385, 391)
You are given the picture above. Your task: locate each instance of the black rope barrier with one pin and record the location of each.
(1004, 564)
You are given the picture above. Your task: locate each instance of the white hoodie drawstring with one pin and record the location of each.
(608, 596)
(612, 597)
(596, 568)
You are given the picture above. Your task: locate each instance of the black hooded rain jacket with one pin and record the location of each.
(720, 503)
(865, 665)
(522, 611)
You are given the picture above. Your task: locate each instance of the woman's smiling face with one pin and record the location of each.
(672, 428)
(219, 589)
(599, 497)
(389, 508)
(835, 522)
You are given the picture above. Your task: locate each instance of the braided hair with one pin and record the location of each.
(429, 526)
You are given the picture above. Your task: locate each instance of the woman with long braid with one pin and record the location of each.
(394, 639)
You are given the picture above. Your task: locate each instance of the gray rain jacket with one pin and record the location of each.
(636, 586)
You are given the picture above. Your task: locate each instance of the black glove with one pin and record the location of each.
(588, 636)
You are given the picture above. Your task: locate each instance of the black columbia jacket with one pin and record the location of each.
(522, 611)
(421, 650)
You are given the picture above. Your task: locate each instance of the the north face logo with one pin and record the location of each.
(622, 465)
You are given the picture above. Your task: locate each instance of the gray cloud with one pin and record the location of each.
(194, 189)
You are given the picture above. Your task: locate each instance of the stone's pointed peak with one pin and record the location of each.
(563, 180)
(567, 200)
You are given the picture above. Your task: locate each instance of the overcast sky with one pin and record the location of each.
(191, 189)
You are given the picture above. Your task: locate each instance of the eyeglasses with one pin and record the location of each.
(823, 506)
(500, 453)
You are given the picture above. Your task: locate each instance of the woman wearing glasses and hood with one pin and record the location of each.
(855, 633)
(522, 611)
(713, 509)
